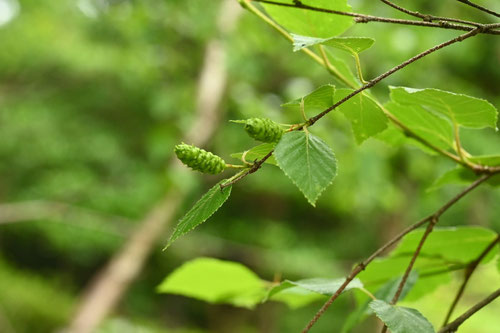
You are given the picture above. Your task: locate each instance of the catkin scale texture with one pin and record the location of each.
(199, 159)
(263, 129)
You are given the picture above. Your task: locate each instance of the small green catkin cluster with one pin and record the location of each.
(199, 159)
(263, 129)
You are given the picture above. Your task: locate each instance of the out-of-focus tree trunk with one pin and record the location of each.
(109, 285)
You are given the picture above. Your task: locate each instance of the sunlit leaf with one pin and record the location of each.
(461, 109)
(215, 281)
(316, 285)
(307, 161)
(349, 44)
(296, 297)
(453, 244)
(312, 23)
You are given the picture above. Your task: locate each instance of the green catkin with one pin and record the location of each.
(263, 129)
(199, 159)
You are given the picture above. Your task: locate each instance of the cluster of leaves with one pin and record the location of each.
(447, 250)
(311, 165)
(430, 119)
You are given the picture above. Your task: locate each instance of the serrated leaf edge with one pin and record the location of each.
(313, 203)
(170, 240)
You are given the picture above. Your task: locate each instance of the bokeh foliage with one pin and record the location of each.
(94, 94)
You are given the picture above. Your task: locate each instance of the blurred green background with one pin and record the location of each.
(94, 94)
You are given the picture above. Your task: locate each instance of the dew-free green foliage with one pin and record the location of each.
(447, 249)
(457, 176)
(215, 281)
(318, 285)
(367, 118)
(384, 293)
(310, 23)
(350, 44)
(452, 244)
(436, 130)
(94, 95)
(316, 101)
(257, 153)
(401, 319)
(307, 161)
(460, 109)
(199, 159)
(201, 211)
(490, 160)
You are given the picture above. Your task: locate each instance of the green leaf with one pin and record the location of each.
(215, 281)
(385, 293)
(382, 270)
(461, 109)
(434, 129)
(295, 297)
(353, 45)
(318, 285)
(318, 100)
(367, 118)
(343, 69)
(395, 137)
(460, 176)
(201, 211)
(389, 289)
(312, 23)
(457, 176)
(490, 160)
(401, 319)
(307, 161)
(453, 244)
(257, 153)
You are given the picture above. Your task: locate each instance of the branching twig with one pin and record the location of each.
(370, 84)
(392, 71)
(469, 270)
(363, 265)
(453, 326)
(481, 8)
(427, 17)
(362, 18)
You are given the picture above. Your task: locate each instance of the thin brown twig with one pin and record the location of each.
(481, 8)
(363, 265)
(427, 17)
(469, 270)
(363, 18)
(433, 221)
(453, 326)
(379, 78)
(368, 85)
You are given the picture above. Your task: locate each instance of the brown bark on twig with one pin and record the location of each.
(453, 326)
(109, 285)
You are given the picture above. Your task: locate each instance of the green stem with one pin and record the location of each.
(358, 67)
(322, 61)
(368, 293)
(236, 166)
